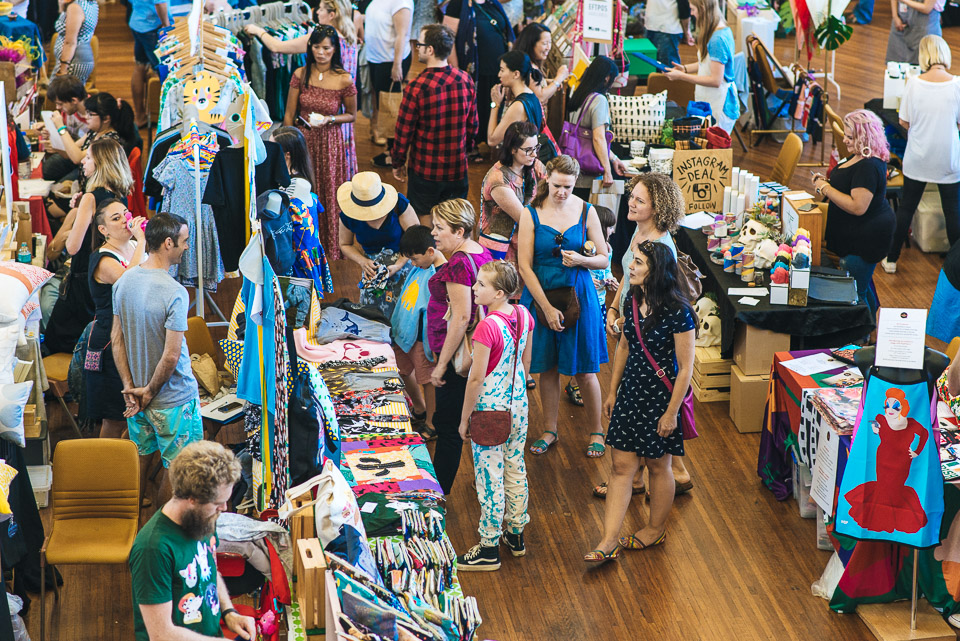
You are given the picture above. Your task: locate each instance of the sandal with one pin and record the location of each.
(540, 446)
(633, 543)
(600, 491)
(531, 384)
(573, 393)
(596, 450)
(599, 556)
(682, 488)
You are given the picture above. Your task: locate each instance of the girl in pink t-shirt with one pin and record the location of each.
(501, 476)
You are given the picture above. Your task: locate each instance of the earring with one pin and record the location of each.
(865, 151)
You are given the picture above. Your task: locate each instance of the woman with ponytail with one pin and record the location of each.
(516, 72)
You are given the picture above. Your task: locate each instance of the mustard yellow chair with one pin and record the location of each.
(787, 160)
(95, 515)
(679, 92)
(953, 348)
(57, 368)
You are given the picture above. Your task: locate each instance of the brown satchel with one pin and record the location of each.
(565, 298)
(492, 427)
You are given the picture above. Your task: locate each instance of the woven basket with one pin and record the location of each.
(638, 117)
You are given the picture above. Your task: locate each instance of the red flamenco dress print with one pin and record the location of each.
(888, 503)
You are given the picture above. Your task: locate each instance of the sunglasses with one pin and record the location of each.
(646, 246)
(558, 239)
(530, 151)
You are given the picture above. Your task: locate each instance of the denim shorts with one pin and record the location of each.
(167, 430)
(143, 46)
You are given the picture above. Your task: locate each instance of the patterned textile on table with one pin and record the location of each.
(834, 407)
(388, 465)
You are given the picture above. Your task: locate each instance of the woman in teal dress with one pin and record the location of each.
(554, 231)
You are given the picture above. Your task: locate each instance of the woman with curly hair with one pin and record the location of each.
(860, 222)
(656, 205)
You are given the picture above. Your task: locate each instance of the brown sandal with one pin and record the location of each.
(600, 491)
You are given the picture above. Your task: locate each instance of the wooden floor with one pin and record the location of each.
(737, 564)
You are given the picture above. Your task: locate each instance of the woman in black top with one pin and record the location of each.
(108, 173)
(516, 72)
(483, 35)
(860, 222)
(120, 245)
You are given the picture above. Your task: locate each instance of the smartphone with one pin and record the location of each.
(304, 122)
(230, 407)
(808, 207)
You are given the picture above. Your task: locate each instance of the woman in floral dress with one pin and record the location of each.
(322, 97)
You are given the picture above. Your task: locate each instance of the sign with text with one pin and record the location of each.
(598, 21)
(702, 174)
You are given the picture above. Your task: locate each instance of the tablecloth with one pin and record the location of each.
(388, 465)
(811, 326)
(781, 421)
(13, 26)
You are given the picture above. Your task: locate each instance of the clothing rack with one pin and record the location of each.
(236, 19)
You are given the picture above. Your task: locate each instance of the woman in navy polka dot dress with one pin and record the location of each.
(644, 415)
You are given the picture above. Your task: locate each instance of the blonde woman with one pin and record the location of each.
(929, 109)
(337, 14)
(713, 72)
(450, 312)
(108, 176)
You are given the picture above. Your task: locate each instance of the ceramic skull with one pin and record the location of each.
(705, 307)
(709, 331)
(765, 253)
(751, 235)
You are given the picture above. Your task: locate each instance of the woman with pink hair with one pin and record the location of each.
(860, 222)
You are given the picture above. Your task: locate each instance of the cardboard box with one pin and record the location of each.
(753, 349)
(748, 398)
(779, 294)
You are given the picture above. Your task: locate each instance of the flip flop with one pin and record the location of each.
(602, 495)
(682, 488)
(599, 556)
(531, 384)
(633, 543)
(596, 450)
(540, 446)
(573, 393)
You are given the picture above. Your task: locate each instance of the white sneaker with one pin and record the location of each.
(954, 620)
(890, 268)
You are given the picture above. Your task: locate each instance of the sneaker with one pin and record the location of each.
(479, 559)
(515, 543)
(890, 268)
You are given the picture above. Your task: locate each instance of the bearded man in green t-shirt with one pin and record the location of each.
(177, 591)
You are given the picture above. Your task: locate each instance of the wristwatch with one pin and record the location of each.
(493, 105)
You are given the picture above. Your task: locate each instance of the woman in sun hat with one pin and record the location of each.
(374, 215)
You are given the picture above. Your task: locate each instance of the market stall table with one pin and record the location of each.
(811, 326)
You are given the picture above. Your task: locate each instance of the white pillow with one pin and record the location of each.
(12, 399)
(18, 282)
(8, 351)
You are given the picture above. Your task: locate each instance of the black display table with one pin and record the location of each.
(811, 327)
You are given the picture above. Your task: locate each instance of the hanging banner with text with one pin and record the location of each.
(702, 174)
(598, 21)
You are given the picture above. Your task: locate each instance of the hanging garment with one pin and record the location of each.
(280, 470)
(892, 488)
(311, 259)
(178, 178)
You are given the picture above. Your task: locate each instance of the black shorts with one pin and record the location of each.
(380, 75)
(143, 46)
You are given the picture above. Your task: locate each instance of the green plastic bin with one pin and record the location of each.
(639, 45)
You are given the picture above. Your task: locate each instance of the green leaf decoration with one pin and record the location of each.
(832, 33)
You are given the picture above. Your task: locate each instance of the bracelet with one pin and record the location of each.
(61, 129)
(224, 613)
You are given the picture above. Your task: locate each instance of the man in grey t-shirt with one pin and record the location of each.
(149, 322)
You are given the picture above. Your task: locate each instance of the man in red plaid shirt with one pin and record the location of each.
(436, 121)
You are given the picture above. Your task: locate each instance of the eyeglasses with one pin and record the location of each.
(420, 44)
(530, 151)
(558, 239)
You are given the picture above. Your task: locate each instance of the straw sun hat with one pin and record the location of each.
(366, 197)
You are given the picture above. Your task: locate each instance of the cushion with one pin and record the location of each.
(13, 397)
(8, 351)
(18, 282)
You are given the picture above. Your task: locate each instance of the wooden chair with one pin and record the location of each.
(199, 340)
(768, 78)
(679, 92)
(787, 160)
(95, 515)
(57, 368)
(953, 348)
(153, 107)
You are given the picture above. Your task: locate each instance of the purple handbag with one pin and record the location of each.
(687, 421)
(577, 141)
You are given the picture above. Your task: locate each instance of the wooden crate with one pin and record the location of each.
(711, 375)
(303, 524)
(310, 588)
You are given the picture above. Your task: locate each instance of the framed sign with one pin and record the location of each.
(702, 174)
(597, 21)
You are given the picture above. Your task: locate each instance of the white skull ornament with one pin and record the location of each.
(705, 307)
(709, 331)
(765, 253)
(751, 235)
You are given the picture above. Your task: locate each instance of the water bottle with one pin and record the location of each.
(24, 255)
